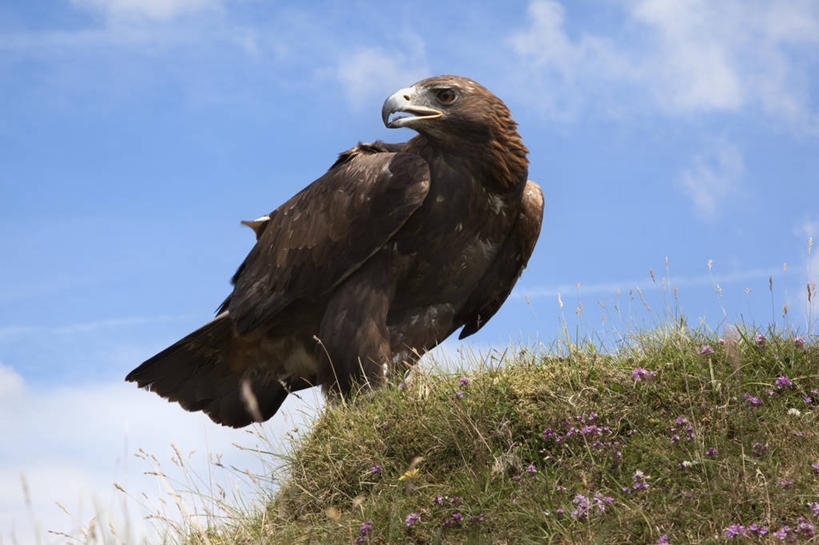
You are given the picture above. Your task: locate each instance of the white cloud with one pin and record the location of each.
(684, 56)
(713, 177)
(158, 10)
(11, 384)
(808, 228)
(71, 444)
(374, 73)
(609, 288)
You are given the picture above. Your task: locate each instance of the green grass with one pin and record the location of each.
(637, 452)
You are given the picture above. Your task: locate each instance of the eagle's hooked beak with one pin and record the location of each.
(406, 101)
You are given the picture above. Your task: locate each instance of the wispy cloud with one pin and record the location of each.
(712, 178)
(691, 57)
(15, 331)
(72, 444)
(160, 10)
(372, 73)
(646, 284)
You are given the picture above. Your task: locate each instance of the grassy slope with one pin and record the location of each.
(626, 461)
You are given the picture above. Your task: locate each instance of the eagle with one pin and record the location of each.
(383, 257)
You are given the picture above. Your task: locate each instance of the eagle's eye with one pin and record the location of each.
(446, 96)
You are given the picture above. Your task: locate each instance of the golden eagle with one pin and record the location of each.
(376, 262)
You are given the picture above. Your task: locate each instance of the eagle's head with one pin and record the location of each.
(458, 112)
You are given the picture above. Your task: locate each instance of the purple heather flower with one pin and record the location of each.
(359, 539)
(438, 499)
(706, 349)
(815, 467)
(663, 540)
(559, 510)
(805, 528)
(548, 432)
(799, 342)
(814, 507)
(457, 517)
(454, 500)
(770, 392)
(642, 374)
(760, 339)
(366, 528)
(675, 438)
(463, 382)
(459, 394)
(807, 399)
(560, 488)
(476, 518)
(711, 451)
(446, 522)
(531, 469)
(721, 340)
(735, 530)
(758, 449)
(785, 483)
(751, 399)
(757, 529)
(782, 533)
(411, 519)
(783, 382)
(376, 468)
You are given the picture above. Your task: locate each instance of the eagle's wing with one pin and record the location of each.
(497, 283)
(325, 232)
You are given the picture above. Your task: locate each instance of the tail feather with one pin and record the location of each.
(196, 373)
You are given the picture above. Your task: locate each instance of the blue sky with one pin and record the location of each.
(134, 135)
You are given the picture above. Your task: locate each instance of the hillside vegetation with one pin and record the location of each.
(679, 438)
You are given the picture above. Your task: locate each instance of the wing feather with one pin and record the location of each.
(325, 232)
(497, 283)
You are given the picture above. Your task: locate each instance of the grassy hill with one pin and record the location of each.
(678, 438)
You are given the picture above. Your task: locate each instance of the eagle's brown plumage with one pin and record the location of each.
(376, 262)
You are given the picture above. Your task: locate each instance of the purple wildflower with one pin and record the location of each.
(366, 528)
(547, 433)
(782, 533)
(459, 394)
(758, 449)
(735, 530)
(454, 500)
(531, 469)
(757, 529)
(463, 382)
(559, 510)
(814, 507)
(457, 517)
(642, 374)
(706, 349)
(711, 451)
(815, 467)
(760, 339)
(476, 518)
(438, 499)
(799, 342)
(447, 523)
(411, 519)
(770, 392)
(783, 382)
(807, 399)
(376, 468)
(784, 483)
(805, 528)
(755, 401)
(663, 540)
